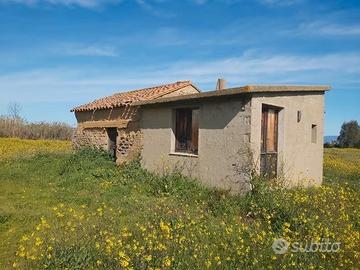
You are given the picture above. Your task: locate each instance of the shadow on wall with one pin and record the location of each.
(185, 166)
(124, 112)
(214, 114)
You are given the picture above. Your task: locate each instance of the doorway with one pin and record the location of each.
(269, 141)
(112, 138)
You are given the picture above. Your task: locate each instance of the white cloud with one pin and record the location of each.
(146, 5)
(326, 28)
(86, 50)
(80, 3)
(167, 36)
(252, 69)
(280, 2)
(77, 85)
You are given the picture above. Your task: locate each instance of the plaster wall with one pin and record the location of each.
(224, 141)
(300, 161)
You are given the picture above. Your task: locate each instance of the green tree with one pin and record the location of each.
(349, 135)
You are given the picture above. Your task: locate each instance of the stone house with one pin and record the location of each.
(112, 123)
(216, 137)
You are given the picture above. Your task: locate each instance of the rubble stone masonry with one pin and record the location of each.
(92, 124)
(96, 137)
(128, 144)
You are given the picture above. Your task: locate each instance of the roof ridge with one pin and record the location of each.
(127, 97)
(152, 87)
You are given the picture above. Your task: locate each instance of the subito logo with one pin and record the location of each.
(280, 246)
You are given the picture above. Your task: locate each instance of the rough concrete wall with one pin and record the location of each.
(300, 160)
(224, 142)
(96, 137)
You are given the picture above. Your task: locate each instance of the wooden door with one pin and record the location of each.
(112, 137)
(269, 141)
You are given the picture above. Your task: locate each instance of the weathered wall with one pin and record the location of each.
(129, 138)
(300, 160)
(96, 137)
(107, 114)
(188, 90)
(129, 143)
(224, 140)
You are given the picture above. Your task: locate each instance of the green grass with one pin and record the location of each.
(199, 227)
(31, 186)
(342, 166)
(346, 154)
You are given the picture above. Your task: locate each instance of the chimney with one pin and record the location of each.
(221, 84)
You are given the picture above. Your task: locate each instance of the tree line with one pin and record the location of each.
(349, 136)
(13, 125)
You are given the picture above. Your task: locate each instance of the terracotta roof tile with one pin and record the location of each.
(126, 98)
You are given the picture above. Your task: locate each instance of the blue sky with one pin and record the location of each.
(56, 54)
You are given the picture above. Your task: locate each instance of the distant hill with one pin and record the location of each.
(329, 139)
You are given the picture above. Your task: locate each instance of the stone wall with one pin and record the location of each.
(96, 137)
(129, 143)
(129, 139)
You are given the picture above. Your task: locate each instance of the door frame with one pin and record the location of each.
(112, 134)
(269, 159)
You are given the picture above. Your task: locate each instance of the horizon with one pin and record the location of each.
(61, 54)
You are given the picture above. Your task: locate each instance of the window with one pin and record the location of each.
(187, 130)
(299, 116)
(314, 133)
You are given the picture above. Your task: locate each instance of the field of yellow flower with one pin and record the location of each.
(343, 164)
(79, 211)
(12, 146)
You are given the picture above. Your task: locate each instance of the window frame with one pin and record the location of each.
(314, 133)
(187, 151)
(270, 136)
(264, 128)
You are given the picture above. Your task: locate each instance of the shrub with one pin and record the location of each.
(20, 128)
(349, 135)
